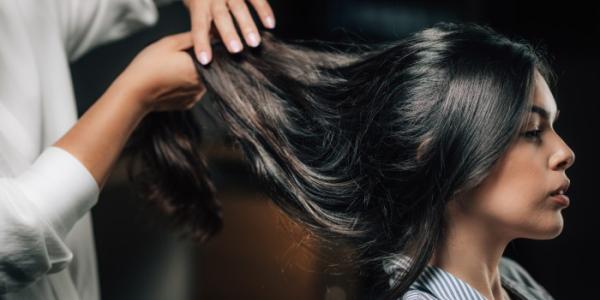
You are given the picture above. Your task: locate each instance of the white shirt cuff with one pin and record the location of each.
(61, 187)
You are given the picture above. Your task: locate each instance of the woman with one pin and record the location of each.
(427, 155)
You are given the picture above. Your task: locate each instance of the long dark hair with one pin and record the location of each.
(364, 146)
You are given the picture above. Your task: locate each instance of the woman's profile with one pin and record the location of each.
(427, 155)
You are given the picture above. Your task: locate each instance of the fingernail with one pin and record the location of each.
(270, 22)
(235, 46)
(253, 39)
(203, 58)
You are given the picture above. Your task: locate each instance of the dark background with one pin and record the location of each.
(258, 256)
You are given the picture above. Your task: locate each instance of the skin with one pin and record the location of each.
(512, 202)
(222, 13)
(160, 78)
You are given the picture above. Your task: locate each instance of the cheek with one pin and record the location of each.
(509, 200)
(513, 198)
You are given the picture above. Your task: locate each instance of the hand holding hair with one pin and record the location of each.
(162, 77)
(205, 12)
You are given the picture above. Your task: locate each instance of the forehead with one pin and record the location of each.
(542, 96)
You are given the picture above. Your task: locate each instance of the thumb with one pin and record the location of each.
(179, 41)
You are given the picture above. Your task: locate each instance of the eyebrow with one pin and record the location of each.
(544, 113)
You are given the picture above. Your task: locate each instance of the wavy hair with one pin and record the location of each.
(364, 146)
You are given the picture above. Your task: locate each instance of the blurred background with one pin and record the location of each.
(260, 254)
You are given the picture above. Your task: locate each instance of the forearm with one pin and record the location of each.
(98, 138)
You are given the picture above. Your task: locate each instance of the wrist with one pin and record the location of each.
(128, 97)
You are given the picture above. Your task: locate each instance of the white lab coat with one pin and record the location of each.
(46, 242)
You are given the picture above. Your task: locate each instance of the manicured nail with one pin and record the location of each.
(235, 46)
(253, 39)
(203, 57)
(270, 22)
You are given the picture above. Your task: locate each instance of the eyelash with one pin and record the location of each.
(533, 134)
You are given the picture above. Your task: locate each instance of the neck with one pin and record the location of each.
(471, 251)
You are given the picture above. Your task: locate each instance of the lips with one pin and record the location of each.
(559, 194)
(562, 200)
(562, 189)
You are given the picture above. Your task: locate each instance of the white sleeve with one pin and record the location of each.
(86, 24)
(37, 210)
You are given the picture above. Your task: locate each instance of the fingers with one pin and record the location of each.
(245, 22)
(201, 24)
(197, 97)
(191, 101)
(204, 13)
(265, 12)
(187, 101)
(179, 41)
(180, 100)
(227, 31)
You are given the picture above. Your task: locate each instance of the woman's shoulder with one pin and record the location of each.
(515, 275)
(418, 295)
(511, 269)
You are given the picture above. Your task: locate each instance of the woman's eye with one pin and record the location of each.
(533, 134)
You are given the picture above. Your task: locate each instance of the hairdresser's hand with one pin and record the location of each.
(204, 12)
(162, 76)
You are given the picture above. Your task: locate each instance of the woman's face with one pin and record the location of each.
(515, 197)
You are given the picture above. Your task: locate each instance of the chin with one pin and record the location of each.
(551, 229)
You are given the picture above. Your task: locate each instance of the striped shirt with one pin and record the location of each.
(436, 284)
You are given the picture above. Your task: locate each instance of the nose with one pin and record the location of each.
(563, 157)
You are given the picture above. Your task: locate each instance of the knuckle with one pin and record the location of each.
(235, 3)
(248, 29)
(258, 4)
(201, 22)
(201, 30)
(222, 15)
(219, 10)
(239, 7)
